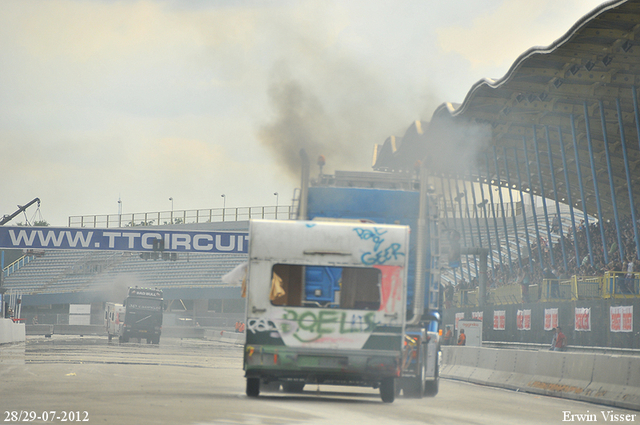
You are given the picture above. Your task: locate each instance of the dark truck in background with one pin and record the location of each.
(143, 315)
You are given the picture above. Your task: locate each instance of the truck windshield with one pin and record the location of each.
(325, 287)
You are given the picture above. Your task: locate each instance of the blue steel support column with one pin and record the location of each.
(557, 201)
(524, 211)
(628, 175)
(543, 196)
(475, 207)
(533, 207)
(513, 209)
(633, 207)
(569, 198)
(595, 184)
(464, 233)
(504, 218)
(455, 221)
(444, 199)
(582, 194)
(611, 184)
(464, 192)
(493, 211)
(486, 221)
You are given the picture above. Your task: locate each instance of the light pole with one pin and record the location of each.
(224, 204)
(119, 211)
(276, 194)
(171, 199)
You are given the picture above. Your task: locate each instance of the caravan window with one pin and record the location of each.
(325, 287)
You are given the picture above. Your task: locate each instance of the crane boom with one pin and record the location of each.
(7, 218)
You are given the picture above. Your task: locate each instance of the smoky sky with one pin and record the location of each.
(340, 117)
(109, 105)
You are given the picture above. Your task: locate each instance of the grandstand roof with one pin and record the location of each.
(586, 75)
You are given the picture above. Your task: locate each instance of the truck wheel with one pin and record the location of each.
(156, 340)
(110, 337)
(388, 390)
(431, 388)
(292, 387)
(413, 388)
(253, 387)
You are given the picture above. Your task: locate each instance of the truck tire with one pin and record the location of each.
(388, 390)
(110, 337)
(413, 388)
(431, 388)
(253, 387)
(292, 387)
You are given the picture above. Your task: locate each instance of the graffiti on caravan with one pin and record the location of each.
(123, 240)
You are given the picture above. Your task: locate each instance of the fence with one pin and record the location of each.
(618, 285)
(282, 212)
(13, 267)
(611, 285)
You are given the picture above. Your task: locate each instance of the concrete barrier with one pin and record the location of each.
(79, 330)
(599, 378)
(167, 332)
(11, 331)
(182, 332)
(46, 330)
(525, 366)
(231, 337)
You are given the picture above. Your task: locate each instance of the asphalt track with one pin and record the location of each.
(188, 381)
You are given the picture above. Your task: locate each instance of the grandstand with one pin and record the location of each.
(62, 277)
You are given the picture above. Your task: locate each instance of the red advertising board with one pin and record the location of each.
(583, 319)
(499, 320)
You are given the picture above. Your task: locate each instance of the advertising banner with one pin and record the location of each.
(621, 318)
(550, 318)
(142, 240)
(524, 320)
(477, 315)
(499, 320)
(459, 317)
(583, 319)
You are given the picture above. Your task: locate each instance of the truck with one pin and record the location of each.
(322, 307)
(142, 315)
(114, 319)
(325, 304)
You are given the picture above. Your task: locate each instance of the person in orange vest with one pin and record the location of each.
(237, 326)
(447, 336)
(241, 327)
(462, 339)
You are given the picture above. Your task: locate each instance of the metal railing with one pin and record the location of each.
(282, 212)
(611, 285)
(15, 266)
(620, 285)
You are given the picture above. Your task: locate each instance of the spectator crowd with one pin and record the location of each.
(618, 259)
